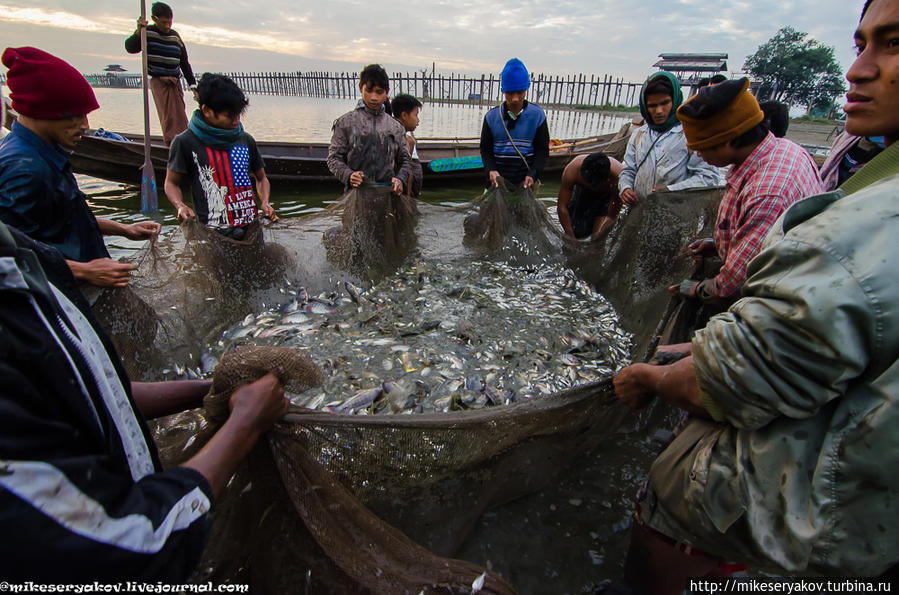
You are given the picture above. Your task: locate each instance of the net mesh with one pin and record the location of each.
(339, 503)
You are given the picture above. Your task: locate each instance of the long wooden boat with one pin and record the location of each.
(287, 163)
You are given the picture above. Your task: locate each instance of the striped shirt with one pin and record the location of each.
(774, 176)
(166, 54)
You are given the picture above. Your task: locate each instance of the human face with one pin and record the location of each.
(164, 24)
(373, 97)
(409, 119)
(222, 119)
(872, 107)
(515, 101)
(659, 106)
(720, 155)
(65, 131)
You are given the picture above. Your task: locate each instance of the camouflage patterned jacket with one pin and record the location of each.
(372, 143)
(804, 372)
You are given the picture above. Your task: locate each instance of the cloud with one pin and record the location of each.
(550, 36)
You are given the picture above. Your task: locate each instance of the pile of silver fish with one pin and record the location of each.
(443, 337)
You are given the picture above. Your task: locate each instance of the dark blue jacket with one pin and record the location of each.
(530, 134)
(40, 197)
(82, 493)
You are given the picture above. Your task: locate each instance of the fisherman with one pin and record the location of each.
(366, 143)
(515, 135)
(38, 192)
(406, 109)
(82, 489)
(792, 392)
(657, 158)
(588, 200)
(724, 125)
(166, 62)
(217, 156)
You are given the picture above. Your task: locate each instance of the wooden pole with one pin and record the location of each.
(148, 199)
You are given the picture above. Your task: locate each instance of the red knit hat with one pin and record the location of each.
(44, 87)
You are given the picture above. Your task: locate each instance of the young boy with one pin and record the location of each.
(217, 157)
(367, 144)
(405, 109)
(515, 135)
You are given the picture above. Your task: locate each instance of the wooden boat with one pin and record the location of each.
(289, 163)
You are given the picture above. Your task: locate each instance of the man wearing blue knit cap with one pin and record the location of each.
(515, 137)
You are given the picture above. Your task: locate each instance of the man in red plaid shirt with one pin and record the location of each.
(723, 124)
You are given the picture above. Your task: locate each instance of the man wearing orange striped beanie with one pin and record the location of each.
(724, 125)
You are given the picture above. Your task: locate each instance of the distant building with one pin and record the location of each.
(114, 68)
(689, 68)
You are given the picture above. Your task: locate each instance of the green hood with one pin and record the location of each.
(678, 98)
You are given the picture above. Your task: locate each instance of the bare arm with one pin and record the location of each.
(264, 187)
(142, 230)
(172, 188)
(635, 386)
(254, 408)
(155, 399)
(565, 192)
(102, 272)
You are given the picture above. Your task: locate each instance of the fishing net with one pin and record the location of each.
(509, 211)
(376, 233)
(335, 503)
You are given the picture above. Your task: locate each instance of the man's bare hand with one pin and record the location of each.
(143, 230)
(397, 185)
(103, 272)
(629, 197)
(185, 213)
(258, 405)
(494, 178)
(631, 386)
(528, 182)
(356, 179)
(141, 22)
(702, 249)
(268, 211)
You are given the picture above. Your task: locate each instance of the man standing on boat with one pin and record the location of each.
(657, 158)
(166, 62)
(38, 192)
(515, 135)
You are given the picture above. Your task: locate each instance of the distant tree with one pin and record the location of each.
(795, 69)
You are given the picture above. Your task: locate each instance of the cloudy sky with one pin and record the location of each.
(621, 38)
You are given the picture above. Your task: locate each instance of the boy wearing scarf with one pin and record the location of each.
(657, 157)
(218, 157)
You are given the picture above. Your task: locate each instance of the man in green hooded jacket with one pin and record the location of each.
(657, 157)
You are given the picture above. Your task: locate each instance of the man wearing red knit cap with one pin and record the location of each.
(38, 192)
(724, 125)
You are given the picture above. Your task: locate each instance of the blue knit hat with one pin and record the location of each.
(514, 77)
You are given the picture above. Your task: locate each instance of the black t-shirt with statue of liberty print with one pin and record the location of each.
(219, 178)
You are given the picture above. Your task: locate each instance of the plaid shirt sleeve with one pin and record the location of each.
(757, 217)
